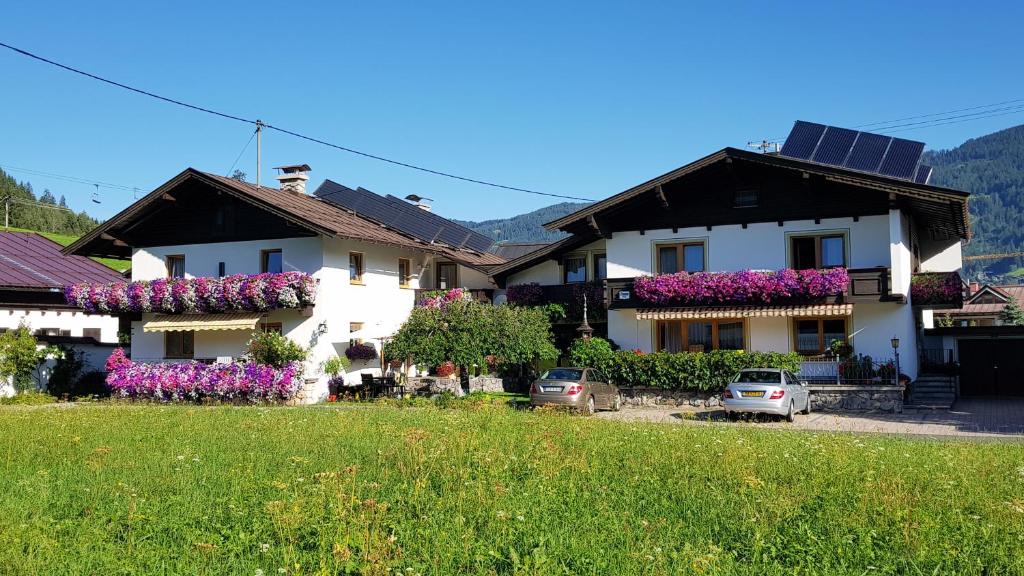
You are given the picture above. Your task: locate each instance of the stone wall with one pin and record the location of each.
(823, 398)
(437, 385)
(857, 398)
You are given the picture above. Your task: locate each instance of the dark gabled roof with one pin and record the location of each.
(934, 198)
(30, 261)
(513, 250)
(302, 210)
(553, 250)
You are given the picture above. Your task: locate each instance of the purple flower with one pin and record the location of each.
(194, 381)
(746, 287)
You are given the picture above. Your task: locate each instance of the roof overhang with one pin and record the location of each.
(942, 202)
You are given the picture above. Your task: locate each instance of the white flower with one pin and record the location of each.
(264, 547)
(259, 572)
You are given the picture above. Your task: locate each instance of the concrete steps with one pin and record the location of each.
(933, 391)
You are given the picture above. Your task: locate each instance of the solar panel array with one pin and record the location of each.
(862, 151)
(402, 216)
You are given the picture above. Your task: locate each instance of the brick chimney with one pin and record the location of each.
(973, 288)
(293, 177)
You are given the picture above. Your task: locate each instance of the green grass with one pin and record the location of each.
(115, 489)
(66, 239)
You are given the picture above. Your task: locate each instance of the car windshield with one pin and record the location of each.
(562, 374)
(758, 377)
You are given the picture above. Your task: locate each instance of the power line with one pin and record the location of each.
(971, 116)
(75, 179)
(958, 121)
(244, 148)
(940, 113)
(286, 131)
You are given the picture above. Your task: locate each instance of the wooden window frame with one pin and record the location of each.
(437, 274)
(404, 280)
(182, 355)
(275, 327)
(680, 248)
(170, 268)
(746, 193)
(594, 258)
(355, 327)
(822, 349)
(265, 258)
(565, 268)
(94, 333)
(360, 259)
(818, 237)
(684, 327)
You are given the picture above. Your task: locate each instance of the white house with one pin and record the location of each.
(734, 210)
(371, 255)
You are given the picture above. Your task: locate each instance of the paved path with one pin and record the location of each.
(989, 417)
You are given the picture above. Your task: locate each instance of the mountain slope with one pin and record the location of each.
(527, 227)
(991, 168)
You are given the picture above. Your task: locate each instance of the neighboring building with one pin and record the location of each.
(372, 256)
(33, 273)
(831, 198)
(983, 305)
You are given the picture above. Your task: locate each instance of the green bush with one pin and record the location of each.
(590, 352)
(274, 349)
(19, 357)
(696, 371)
(28, 399)
(336, 365)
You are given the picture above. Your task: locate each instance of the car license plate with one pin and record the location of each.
(752, 393)
(551, 388)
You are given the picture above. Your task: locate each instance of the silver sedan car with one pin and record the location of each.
(582, 389)
(766, 391)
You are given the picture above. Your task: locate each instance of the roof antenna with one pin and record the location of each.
(96, 194)
(765, 146)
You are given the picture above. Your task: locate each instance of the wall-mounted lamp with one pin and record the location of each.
(321, 329)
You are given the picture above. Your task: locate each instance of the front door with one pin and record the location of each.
(447, 275)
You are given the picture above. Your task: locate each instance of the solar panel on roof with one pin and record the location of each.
(803, 140)
(902, 158)
(862, 151)
(403, 217)
(924, 174)
(834, 146)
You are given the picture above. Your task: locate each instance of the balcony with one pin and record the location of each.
(937, 290)
(569, 296)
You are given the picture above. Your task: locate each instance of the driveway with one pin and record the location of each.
(970, 417)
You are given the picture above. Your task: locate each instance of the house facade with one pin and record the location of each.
(738, 211)
(369, 271)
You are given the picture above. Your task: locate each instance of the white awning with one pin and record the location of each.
(706, 312)
(196, 322)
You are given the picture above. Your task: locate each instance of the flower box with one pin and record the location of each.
(746, 287)
(236, 293)
(937, 290)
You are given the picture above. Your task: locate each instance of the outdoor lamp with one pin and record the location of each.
(895, 342)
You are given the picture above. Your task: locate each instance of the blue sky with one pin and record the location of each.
(582, 99)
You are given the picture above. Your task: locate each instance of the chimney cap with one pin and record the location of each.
(417, 198)
(289, 168)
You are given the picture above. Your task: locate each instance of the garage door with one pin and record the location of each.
(991, 367)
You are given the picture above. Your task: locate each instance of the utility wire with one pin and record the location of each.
(285, 131)
(941, 113)
(75, 179)
(983, 114)
(40, 204)
(957, 121)
(244, 148)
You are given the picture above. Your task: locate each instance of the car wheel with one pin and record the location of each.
(791, 415)
(732, 416)
(617, 403)
(808, 409)
(588, 407)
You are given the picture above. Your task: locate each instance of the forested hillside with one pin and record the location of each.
(991, 168)
(42, 213)
(527, 227)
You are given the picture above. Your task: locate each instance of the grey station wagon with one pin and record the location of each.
(583, 389)
(766, 391)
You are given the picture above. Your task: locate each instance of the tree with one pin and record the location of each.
(1012, 315)
(63, 203)
(238, 175)
(47, 197)
(18, 356)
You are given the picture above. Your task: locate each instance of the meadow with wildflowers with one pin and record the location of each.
(174, 489)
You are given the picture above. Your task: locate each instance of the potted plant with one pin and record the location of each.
(335, 368)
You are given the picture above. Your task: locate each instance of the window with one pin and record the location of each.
(574, 269)
(175, 266)
(93, 333)
(816, 335)
(828, 251)
(354, 327)
(274, 327)
(745, 198)
(355, 267)
(52, 332)
(600, 266)
(179, 345)
(271, 261)
(404, 272)
(699, 335)
(674, 258)
(447, 276)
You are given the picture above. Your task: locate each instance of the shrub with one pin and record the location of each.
(66, 372)
(590, 352)
(361, 351)
(33, 398)
(695, 371)
(336, 365)
(18, 356)
(274, 349)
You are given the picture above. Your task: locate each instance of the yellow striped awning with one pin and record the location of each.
(704, 312)
(194, 322)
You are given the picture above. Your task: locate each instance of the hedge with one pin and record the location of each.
(694, 371)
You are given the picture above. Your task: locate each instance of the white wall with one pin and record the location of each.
(302, 254)
(74, 320)
(900, 254)
(761, 246)
(546, 273)
(769, 334)
(940, 255)
(628, 332)
(874, 325)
